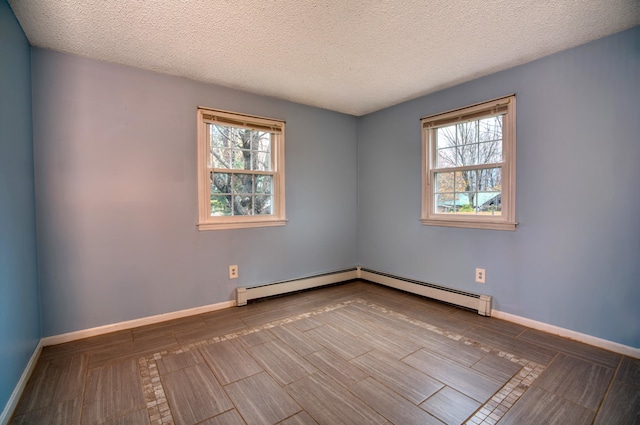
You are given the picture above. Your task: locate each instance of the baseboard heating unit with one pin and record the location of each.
(476, 302)
(277, 288)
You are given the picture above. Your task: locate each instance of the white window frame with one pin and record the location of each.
(429, 125)
(277, 127)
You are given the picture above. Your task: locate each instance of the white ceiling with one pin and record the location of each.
(351, 56)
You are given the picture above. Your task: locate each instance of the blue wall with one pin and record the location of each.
(573, 261)
(116, 190)
(19, 318)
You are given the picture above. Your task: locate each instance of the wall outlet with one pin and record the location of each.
(480, 276)
(233, 272)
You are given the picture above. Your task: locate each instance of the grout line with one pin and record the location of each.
(606, 392)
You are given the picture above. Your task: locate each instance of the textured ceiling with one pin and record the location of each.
(352, 56)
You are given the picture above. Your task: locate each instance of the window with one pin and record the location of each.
(469, 168)
(240, 171)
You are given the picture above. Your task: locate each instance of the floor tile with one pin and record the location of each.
(140, 417)
(172, 362)
(538, 406)
(377, 334)
(301, 418)
(62, 413)
(260, 400)
(131, 350)
(341, 343)
(336, 367)
(306, 324)
(281, 362)
(496, 367)
(194, 394)
(501, 326)
(168, 327)
(256, 338)
(621, 405)
(229, 361)
(54, 381)
(111, 392)
(400, 377)
(330, 403)
(84, 345)
(577, 380)
(396, 409)
(450, 406)
(576, 349)
(212, 328)
(459, 352)
(296, 339)
(230, 417)
(509, 344)
(629, 371)
(463, 379)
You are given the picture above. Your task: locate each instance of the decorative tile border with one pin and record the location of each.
(487, 414)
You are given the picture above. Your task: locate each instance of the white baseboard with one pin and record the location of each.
(22, 383)
(86, 333)
(567, 333)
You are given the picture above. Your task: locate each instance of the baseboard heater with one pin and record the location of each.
(278, 288)
(479, 303)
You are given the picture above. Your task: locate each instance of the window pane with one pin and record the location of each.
(444, 203)
(218, 136)
(239, 148)
(490, 152)
(444, 182)
(465, 203)
(489, 179)
(490, 129)
(470, 143)
(489, 203)
(467, 133)
(240, 159)
(447, 158)
(465, 181)
(220, 205)
(243, 183)
(242, 205)
(264, 184)
(220, 182)
(262, 160)
(262, 204)
(446, 137)
(221, 158)
(261, 141)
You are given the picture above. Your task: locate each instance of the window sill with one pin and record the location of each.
(473, 224)
(241, 224)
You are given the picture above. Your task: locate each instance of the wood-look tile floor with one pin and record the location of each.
(356, 353)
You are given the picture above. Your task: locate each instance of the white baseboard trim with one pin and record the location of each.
(22, 383)
(567, 333)
(100, 330)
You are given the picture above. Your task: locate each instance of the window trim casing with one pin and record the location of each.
(429, 124)
(278, 218)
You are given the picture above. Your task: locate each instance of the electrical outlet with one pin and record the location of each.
(233, 272)
(480, 276)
